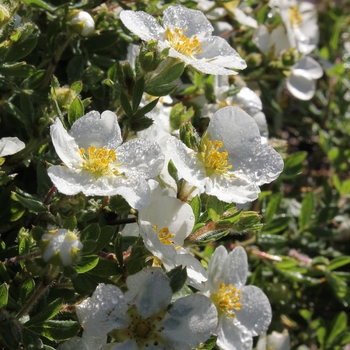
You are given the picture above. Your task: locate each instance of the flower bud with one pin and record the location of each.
(65, 97)
(60, 247)
(254, 59)
(289, 57)
(5, 15)
(82, 23)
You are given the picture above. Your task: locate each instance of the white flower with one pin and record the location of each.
(187, 34)
(276, 40)
(141, 318)
(10, 145)
(60, 247)
(98, 163)
(274, 341)
(301, 81)
(83, 23)
(300, 19)
(244, 311)
(164, 226)
(245, 99)
(232, 163)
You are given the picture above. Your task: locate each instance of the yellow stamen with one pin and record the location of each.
(212, 158)
(164, 236)
(228, 299)
(181, 43)
(295, 17)
(100, 161)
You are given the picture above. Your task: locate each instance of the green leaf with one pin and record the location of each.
(22, 48)
(126, 105)
(118, 248)
(321, 336)
(211, 236)
(106, 235)
(106, 268)
(137, 93)
(86, 263)
(31, 204)
(146, 109)
(40, 4)
(70, 223)
(178, 277)
(168, 75)
(19, 69)
(339, 287)
(27, 290)
(277, 225)
(16, 112)
(76, 110)
(209, 344)
(339, 325)
(338, 262)
(57, 330)
(77, 87)
(272, 206)
(47, 313)
(30, 340)
(160, 90)
(90, 232)
(293, 165)
(307, 208)
(215, 208)
(27, 106)
(3, 295)
(269, 241)
(196, 206)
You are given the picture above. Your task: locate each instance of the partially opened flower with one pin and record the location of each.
(232, 162)
(300, 19)
(164, 226)
(98, 163)
(141, 318)
(187, 34)
(244, 311)
(301, 82)
(60, 247)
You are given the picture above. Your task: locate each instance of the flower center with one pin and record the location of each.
(212, 158)
(295, 17)
(181, 43)
(164, 235)
(99, 161)
(228, 299)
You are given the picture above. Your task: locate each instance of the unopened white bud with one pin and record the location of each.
(60, 247)
(83, 23)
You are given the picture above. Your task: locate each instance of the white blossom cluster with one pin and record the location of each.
(231, 162)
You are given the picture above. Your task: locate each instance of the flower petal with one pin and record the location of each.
(186, 162)
(189, 322)
(216, 270)
(193, 21)
(10, 145)
(103, 311)
(240, 135)
(301, 87)
(255, 313)
(149, 289)
(95, 130)
(140, 156)
(308, 67)
(65, 145)
(142, 24)
(233, 336)
(236, 268)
